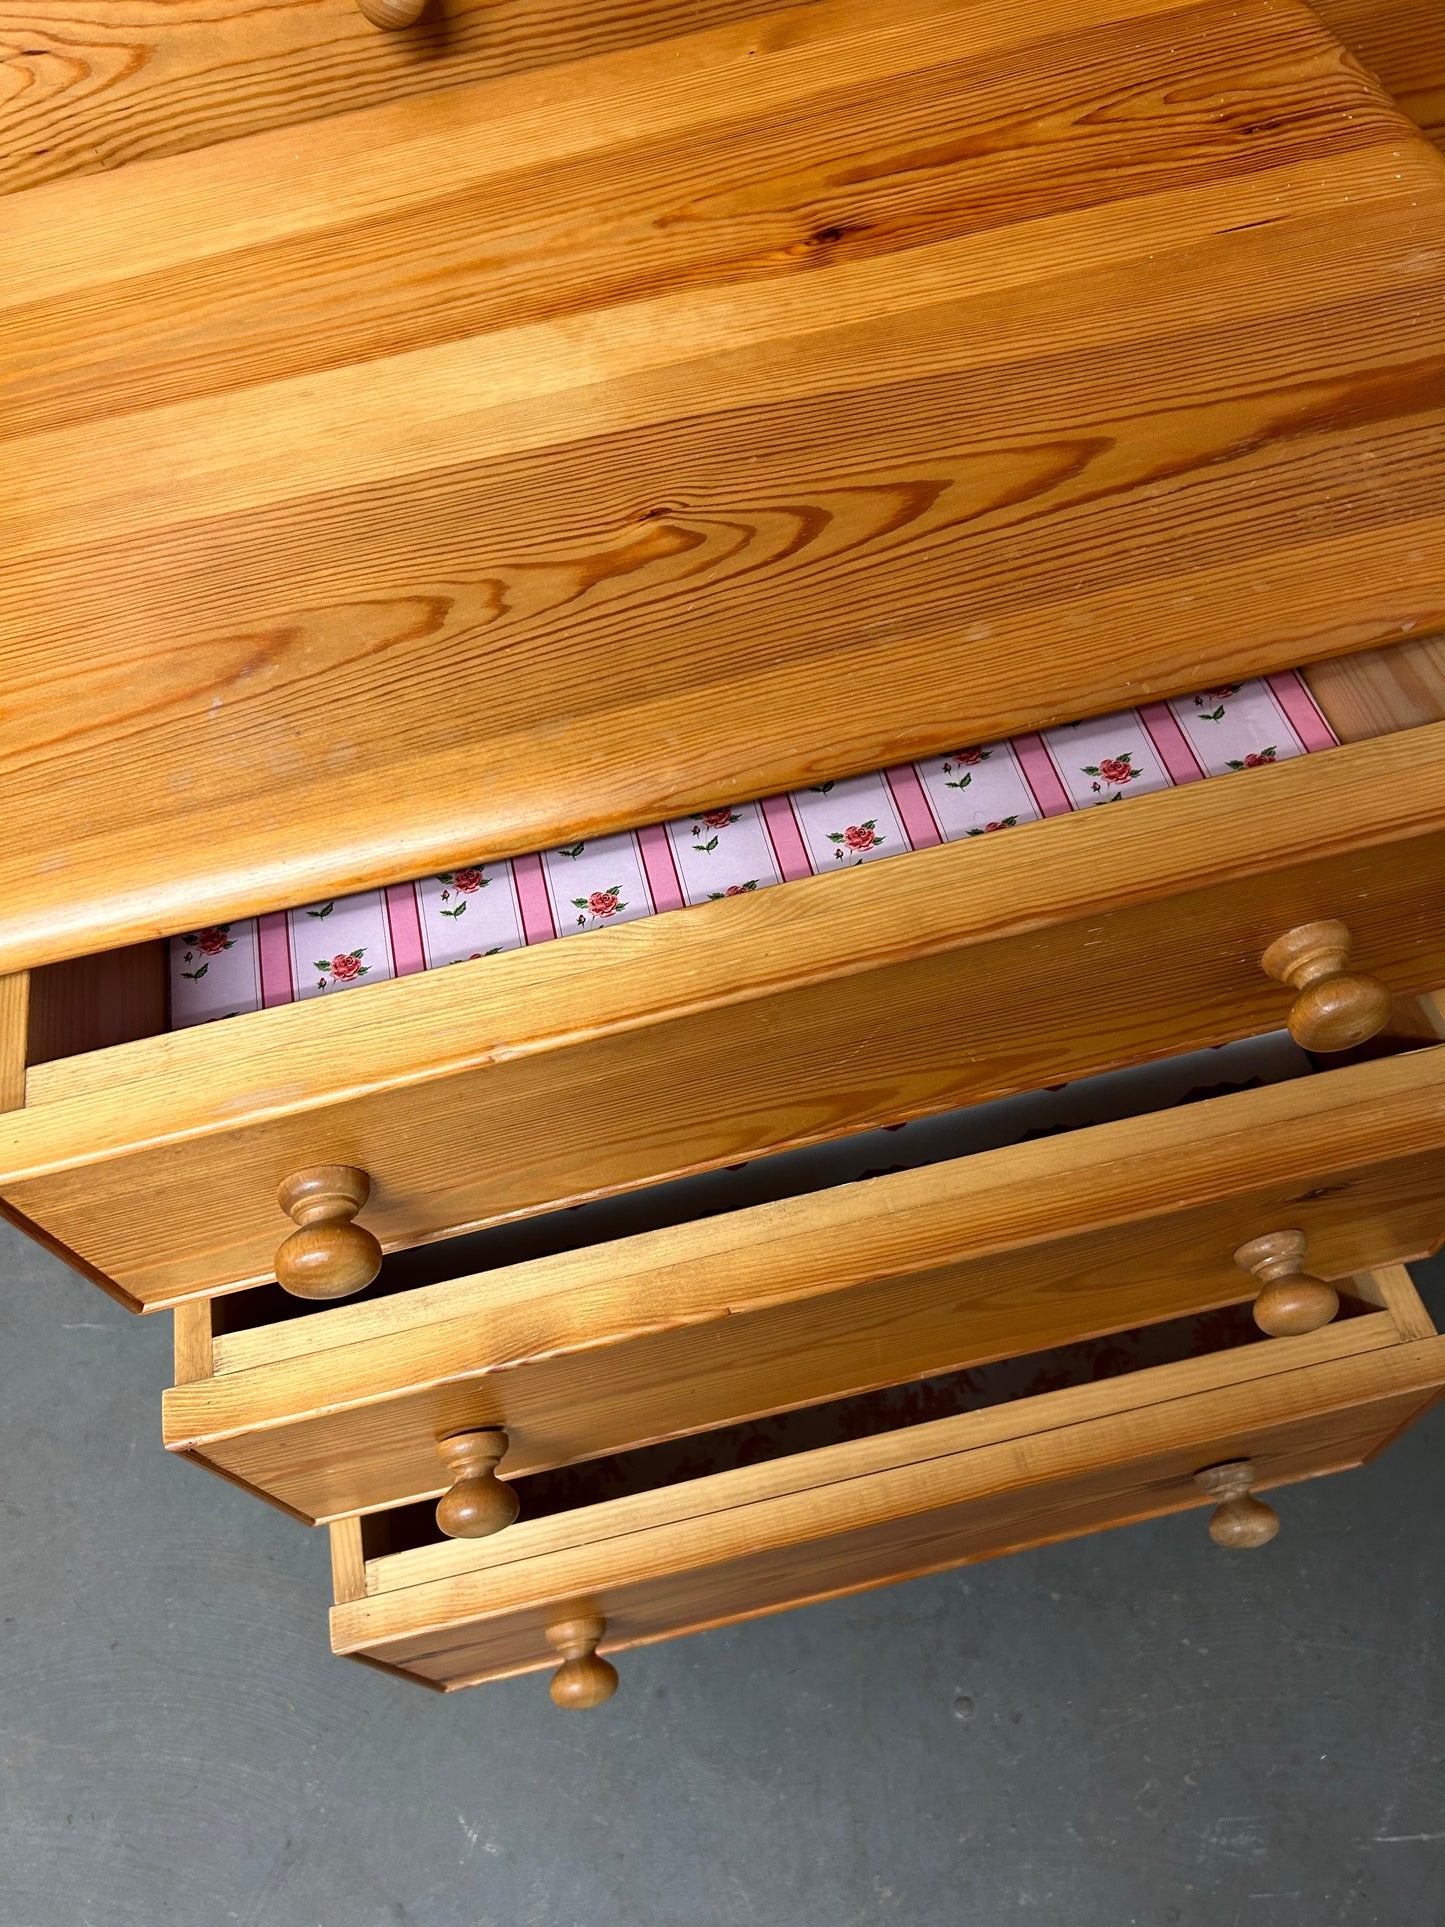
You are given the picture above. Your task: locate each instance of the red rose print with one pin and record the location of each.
(857, 836)
(1254, 762)
(1113, 770)
(467, 880)
(718, 819)
(602, 903)
(970, 756)
(344, 968)
(212, 941)
(1256, 759)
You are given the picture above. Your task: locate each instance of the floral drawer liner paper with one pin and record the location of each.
(478, 909)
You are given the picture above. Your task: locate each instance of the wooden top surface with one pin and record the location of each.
(100, 84)
(561, 451)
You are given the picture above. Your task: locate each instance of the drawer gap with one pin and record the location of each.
(1138, 1091)
(894, 1409)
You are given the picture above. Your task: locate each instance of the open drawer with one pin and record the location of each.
(812, 1298)
(756, 1538)
(827, 1006)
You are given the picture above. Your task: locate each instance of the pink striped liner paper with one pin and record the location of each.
(972, 791)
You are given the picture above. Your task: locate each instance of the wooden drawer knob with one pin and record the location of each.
(582, 1679)
(478, 1504)
(1239, 1521)
(392, 13)
(329, 1257)
(1335, 1008)
(1291, 1301)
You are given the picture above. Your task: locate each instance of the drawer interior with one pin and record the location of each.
(913, 1497)
(684, 1044)
(892, 1410)
(87, 1004)
(713, 1319)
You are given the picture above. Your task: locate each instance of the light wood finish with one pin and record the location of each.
(1291, 1299)
(1335, 1008)
(717, 1033)
(87, 94)
(327, 1256)
(1403, 43)
(389, 1570)
(874, 1510)
(83, 101)
(853, 407)
(194, 1343)
(90, 1003)
(708, 1036)
(1239, 1521)
(1381, 691)
(582, 1680)
(476, 1503)
(711, 1323)
(392, 14)
(1391, 1287)
(14, 1035)
(348, 1561)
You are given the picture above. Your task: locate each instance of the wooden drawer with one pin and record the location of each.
(788, 1304)
(520, 1082)
(760, 1538)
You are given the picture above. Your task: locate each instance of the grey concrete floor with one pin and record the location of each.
(1134, 1728)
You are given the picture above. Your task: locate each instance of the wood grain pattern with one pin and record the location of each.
(389, 1569)
(348, 1565)
(871, 1511)
(1403, 43)
(865, 381)
(97, 84)
(1381, 690)
(195, 1353)
(709, 1324)
(1393, 1287)
(14, 1035)
(105, 84)
(89, 1003)
(683, 1042)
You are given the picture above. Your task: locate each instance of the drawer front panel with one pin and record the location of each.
(619, 1354)
(895, 1524)
(693, 1041)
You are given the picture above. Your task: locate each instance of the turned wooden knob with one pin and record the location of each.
(582, 1679)
(1239, 1521)
(1291, 1301)
(329, 1257)
(478, 1503)
(392, 13)
(1335, 1008)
